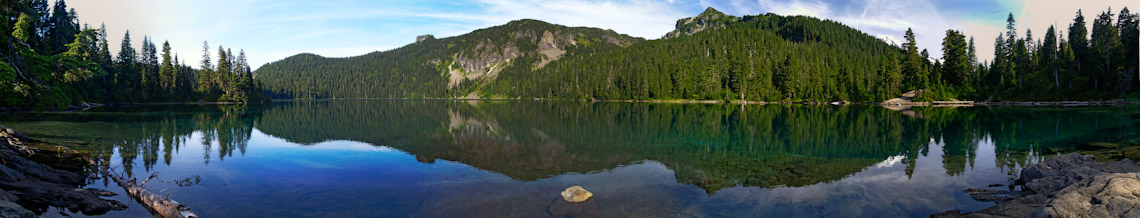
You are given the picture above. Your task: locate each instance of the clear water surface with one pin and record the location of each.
(411, 158)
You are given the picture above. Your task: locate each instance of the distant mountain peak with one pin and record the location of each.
(710, 11)
(710, 19)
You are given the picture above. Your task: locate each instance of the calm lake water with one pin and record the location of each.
(511, 158)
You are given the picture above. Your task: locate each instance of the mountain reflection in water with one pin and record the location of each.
(511, 158)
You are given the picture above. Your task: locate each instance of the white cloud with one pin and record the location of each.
(796, 7)
(272, 30)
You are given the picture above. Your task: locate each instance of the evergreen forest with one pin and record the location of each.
(715, 56)
(50, 61)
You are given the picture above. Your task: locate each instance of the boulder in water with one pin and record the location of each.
(576, 194)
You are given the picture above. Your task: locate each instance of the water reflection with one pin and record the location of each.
(711, 146)
(692, 159)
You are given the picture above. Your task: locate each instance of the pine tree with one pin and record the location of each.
(125, 66)
(1048, 55)
(1079, 43)
(166, 72)
(1104, 38)
(956, 65)
(205, 72)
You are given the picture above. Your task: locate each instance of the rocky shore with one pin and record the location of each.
(25, 181)
(1070, 185)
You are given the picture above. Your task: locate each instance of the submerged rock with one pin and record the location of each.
(576, 194)
(1106, 195)
(1092, 146)
(988, 195)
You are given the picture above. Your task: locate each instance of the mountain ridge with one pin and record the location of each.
(759, 58)
(465, 61)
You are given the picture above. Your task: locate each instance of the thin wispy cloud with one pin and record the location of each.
(272, 30)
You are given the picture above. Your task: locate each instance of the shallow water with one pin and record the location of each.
(511, 158)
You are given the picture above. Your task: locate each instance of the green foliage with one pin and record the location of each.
(955, 69)
(55, 64)
(8, 86)
(24, 31)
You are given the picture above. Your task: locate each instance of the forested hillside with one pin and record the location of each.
(437, 68)
(50, 61)
(716, 56)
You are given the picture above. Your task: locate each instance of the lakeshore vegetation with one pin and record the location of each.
(719, 57)
(50, 61)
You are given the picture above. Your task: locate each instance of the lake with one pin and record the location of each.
(416, 158)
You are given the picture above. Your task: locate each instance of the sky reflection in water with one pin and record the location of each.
(497, 159)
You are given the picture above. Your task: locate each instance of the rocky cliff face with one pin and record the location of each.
(711, 19)
(424, 38)
(492, 54)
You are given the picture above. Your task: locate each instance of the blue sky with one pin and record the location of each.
(270, 30)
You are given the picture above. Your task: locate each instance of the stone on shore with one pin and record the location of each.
(1054, 174)
(576, 194)
(1105, 195)
(30, 182)
(1070, 185)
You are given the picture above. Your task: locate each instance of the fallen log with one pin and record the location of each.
(157, 204)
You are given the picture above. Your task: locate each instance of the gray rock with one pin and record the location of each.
(1106, 195)
(988, 195)
(1054, 174)
(32, 182)
(10, 175)
(60, 195)
(424, 38)
(1072, 185)
(12, 210)
(8, 196)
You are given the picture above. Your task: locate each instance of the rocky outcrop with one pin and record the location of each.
(491, 55)
(33, 183)
(1105, 195)
(1070, 185)
(424, 38)
(1054, 174)
(711, 19)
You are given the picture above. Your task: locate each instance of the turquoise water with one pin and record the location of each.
(512, 158)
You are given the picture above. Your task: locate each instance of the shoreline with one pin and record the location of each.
(87, 106)
(1067, 185)
(39, 173)
(886, 104)
(1117, 102)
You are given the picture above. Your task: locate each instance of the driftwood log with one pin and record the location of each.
(157, 204)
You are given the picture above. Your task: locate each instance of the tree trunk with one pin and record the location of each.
(1056, 80)
(158, 205)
